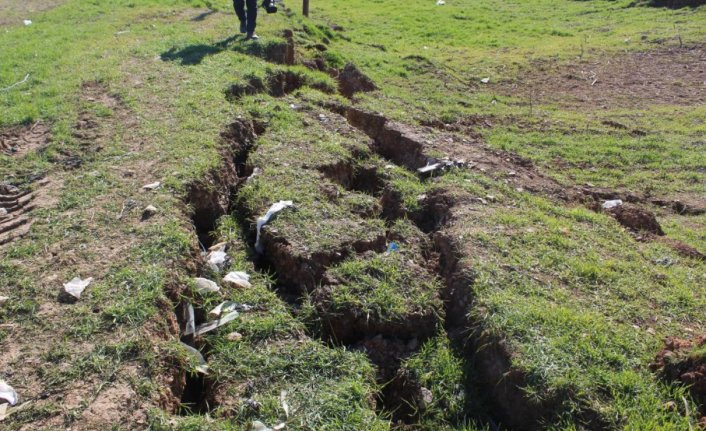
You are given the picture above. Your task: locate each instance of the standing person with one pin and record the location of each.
(248, 20)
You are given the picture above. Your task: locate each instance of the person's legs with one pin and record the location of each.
(252, 16)
(239, 6)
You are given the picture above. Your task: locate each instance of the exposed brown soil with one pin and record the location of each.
(13, 11)
(352, 81)
(92, 131)
(679, 361)
(684, 249)
(636, 219)
(668, 76)
(15, 204)
(20, 140)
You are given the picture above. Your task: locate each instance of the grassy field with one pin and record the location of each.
(497, 294)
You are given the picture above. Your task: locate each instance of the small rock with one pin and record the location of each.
(491, 198)
(148, 212)
(234, 336)
(259, 426)
(3, 212)
(4, 299)
(221, 246)
(427, 396)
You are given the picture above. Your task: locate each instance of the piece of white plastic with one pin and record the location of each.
(152, 186)
(259, 426)
(485, 80)
(440, 3)
(217, 260)
(27, 22)
(612, 204)
(262, 221)
(283, 403)
(3, 212)
(237, 279)
(222, 308)
(204, 285)
(213, 324)
(4, 299)
(76, 286)
(7, 393)
(190, 320)
(203, 366)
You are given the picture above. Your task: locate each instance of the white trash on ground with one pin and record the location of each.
(262, 221)
(7, 393)
(203, 366)
(152, 186)
(213, 324)
(190, 320)
(223, 307)
(74, 288)
(217, 260)
(27, 22)
(237, 279)
(612, 204)
(204, 285)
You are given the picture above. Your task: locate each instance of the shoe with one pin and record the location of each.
(243, 29)
(252, 36)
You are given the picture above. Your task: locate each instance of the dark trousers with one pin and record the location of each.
(249, 18)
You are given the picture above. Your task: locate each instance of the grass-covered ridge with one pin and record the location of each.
(495, 307)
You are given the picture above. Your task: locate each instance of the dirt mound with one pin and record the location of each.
(21, 140)
(636, 219)
(351, 81)
(685, 362)
(667, 76)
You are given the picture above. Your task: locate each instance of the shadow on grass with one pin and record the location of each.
(276, 51)
(194, 54)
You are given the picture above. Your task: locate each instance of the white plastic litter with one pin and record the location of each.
(27, 22)
(237, 279)
(259, 426)
(152, 186)
(3, 212)
(283, 403)
(440, 3)
(612, 204)
(190, 320)
(217, 260)
(203, 366)
(4, 299)
(224, 307)
(274, 209)
(485, 80)
(213, 324)
(76, 286)
(7, 393)
(204, 285)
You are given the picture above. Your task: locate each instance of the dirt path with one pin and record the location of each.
(14, 11)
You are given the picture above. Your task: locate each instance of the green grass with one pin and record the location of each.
(581, 306)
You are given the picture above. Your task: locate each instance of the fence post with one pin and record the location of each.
(306, 8)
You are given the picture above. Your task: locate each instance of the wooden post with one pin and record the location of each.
(306, 8)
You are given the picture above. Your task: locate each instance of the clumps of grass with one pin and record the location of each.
(324, 388)
(379, 293)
